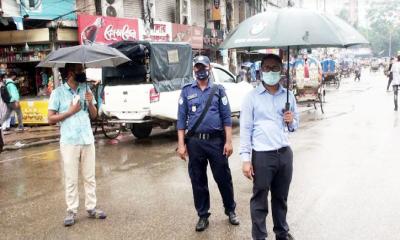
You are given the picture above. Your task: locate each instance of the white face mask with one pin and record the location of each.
(271, 78)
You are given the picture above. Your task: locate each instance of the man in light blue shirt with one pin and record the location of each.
(72, 104)
(264, 148)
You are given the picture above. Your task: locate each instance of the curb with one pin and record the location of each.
(28, 145)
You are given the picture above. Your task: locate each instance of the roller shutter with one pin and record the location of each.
(133, 8)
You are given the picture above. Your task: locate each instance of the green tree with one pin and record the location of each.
(384, 27)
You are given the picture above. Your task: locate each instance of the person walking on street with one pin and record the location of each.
(76, 141)
(205, 112)
(13, 104)
(3, 112)
(396, 81)
(264, 148)
(357, 72)
(390, 76)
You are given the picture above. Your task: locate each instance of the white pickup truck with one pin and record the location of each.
(141, 108)
(134, 101)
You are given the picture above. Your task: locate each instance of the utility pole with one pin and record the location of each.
(230, 25)
(390, 43)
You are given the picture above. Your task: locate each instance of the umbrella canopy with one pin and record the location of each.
(92, 56)
(289, 27)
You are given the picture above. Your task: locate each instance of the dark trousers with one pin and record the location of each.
(272, 172)
(389, 82)
(17, 108)
(1, 140)
(200, 153)
(396, 93)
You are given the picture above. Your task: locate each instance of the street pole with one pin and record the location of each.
(390, 43)
(232, 52)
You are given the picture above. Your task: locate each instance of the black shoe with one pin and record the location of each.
(288, 237)
(202, 224)
(233, 219)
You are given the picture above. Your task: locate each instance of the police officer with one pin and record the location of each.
(211, 141)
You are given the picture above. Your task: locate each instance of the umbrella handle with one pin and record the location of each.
(287, 108)
(287, 105)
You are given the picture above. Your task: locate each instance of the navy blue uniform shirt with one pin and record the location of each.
(192, 102)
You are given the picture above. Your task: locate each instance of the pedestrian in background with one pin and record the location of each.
(357, 72)
(390, 74)
(76, 141)
(3, 112)
(396, 80)
(264, 148)
(208, 140)
(13, 104)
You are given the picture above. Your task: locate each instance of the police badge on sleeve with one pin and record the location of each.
(225, 100)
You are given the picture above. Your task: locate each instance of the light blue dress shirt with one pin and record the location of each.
(76, 129)
(261, 121)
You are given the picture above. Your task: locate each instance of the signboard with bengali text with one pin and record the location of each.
(106, 30)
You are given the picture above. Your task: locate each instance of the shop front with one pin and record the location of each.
(20, 52)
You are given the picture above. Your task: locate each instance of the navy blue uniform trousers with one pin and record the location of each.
(200, 153)
(272, 172)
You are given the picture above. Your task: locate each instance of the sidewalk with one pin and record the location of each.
(30, 137)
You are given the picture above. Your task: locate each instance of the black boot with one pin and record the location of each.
(288, 237)
(202, 224)
(233, 219)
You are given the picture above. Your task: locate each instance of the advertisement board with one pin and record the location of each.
(106, 30)
(49, 9)
(35, 111)
(190, 34)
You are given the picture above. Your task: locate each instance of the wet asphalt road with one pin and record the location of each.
(345, 183)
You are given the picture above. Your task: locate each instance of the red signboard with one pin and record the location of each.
(190, 34)
(100, 29)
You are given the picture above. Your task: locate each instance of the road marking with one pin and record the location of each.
(35, 154)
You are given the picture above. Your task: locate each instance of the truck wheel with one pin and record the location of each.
(141, 130)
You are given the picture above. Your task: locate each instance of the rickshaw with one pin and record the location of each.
(307, 83)
(345, 68)
(330, 74)
(375, 65)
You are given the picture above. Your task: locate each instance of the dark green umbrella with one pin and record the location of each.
(292, 27)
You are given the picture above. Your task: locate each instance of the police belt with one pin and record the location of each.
(208, 136)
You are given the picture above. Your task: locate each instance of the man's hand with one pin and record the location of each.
(228, 149)
(182, 152)
(247, 169)
(89, 97)
(74, 108)
(288, 117)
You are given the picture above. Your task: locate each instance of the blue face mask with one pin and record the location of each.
(202, 74)
(271, 78)
(80, 77)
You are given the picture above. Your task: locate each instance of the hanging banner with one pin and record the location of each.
(161, 32)
(190, 34)
(106, 30)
